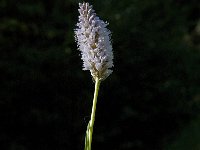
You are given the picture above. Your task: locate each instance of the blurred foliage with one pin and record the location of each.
(45, 97)
(188, 138)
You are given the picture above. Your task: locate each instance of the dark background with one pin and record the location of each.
(150, 102)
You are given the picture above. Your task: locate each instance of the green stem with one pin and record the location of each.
(88, 138)
(97, 84)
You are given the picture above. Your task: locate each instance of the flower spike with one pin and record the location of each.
(94, 42)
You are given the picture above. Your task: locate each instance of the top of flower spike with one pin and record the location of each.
(93, 39)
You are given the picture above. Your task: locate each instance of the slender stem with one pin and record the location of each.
(91, 123)
(97, 85)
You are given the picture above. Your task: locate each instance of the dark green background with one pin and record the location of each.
(150, 102)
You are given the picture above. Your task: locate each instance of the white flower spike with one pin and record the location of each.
(93, 40)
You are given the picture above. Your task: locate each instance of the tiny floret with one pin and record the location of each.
(94, 42)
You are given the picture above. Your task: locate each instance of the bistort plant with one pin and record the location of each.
(94, 43)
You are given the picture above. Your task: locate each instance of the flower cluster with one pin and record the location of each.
(93, 39)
